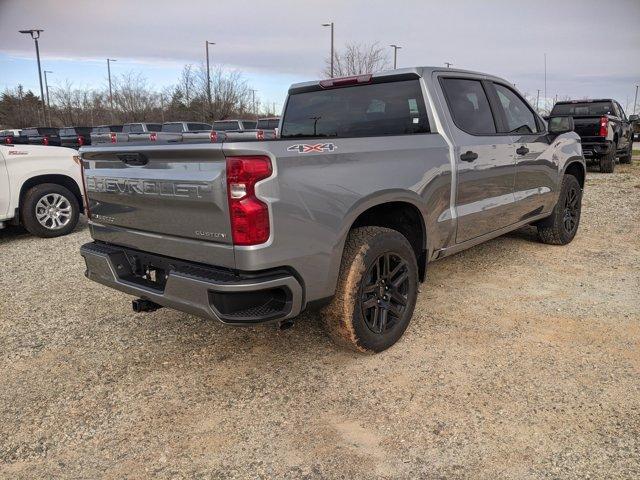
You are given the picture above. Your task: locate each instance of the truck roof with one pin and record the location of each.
(586, 100)
(420, 71)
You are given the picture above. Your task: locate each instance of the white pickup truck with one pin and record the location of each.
(40, 188)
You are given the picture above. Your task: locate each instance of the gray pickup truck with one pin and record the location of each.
(373, 177)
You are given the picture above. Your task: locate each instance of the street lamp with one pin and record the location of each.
(35, 34)
(635, 100)
(109, 60)
(46, 86)
(395, 55)
(330, 25)
(206, 44)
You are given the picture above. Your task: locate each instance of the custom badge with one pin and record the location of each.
(312, 147)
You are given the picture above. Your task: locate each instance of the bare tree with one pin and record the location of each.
(356, 59)
(133, 99)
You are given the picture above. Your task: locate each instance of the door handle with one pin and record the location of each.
(522, 150)
(468, 156)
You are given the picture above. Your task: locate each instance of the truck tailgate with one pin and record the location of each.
(160, 194)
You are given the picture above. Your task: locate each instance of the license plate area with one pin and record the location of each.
(147, 271)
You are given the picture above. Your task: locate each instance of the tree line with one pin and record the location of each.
(132, 99)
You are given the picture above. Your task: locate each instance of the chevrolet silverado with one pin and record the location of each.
(373, 177)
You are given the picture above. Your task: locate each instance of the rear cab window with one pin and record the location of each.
(268, 124)
(173, 127)
(586, 109)
(225, 126)
(371, 110)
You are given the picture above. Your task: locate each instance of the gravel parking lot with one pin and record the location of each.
(522, 361)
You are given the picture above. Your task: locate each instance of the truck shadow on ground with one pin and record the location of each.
(16, 233)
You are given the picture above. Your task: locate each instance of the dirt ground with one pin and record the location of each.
(522, 361)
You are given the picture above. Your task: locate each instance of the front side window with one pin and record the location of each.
(392, 108)
(519, 117)
(469, 105)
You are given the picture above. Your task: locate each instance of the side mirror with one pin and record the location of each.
(559, 125)
(633, 118)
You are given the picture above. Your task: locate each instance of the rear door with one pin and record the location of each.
(537, 174)
(485, 159)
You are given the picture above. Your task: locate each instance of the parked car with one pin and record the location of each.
(12, 137)
(105, 134)
(173, 131)
(635, 125)
(40, 188)
(234, 125)
(369, 182)
(604, 129)
(138, 131)
(75, 137)
(42, 136)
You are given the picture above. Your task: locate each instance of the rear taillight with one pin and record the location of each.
(45, 140)
(249, 215)
(213, 136)
(113, 137)
(78, 159)
(9, 140)
(260, 134)
(153, 136)
(80, 140)
(604, 126)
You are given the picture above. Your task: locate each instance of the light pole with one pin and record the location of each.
(448, 64)
(253, 99)
(545, 80)
(109, 60)
(206, 44)
(635, 100)
(395, 55)
(35, 34)
(330, 25)
(538, 101)
(46, 86)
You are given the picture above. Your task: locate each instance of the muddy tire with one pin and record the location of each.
(376, 292)
(626, 158)
(608, 162)
(49, 210)
(561, 226)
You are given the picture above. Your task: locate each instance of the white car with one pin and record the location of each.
(40, 188)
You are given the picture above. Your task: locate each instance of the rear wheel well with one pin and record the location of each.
(403, 217)
(63, 180)
(577, 170)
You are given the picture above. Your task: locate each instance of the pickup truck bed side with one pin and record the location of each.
(410, 151)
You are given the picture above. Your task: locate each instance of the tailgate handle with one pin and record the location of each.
(133, 159)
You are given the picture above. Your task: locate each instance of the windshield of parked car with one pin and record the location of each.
(584, 109)
(392, 108)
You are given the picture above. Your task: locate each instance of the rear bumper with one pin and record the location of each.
(596, 149)
(209, 292)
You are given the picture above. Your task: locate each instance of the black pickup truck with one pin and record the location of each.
(603, 127)
(75, 137)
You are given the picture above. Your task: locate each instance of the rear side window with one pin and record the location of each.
(193, 127)
(584, 109)
(67, 132)
(393, 108)
(519, 117)
(133, 128)
(469, 105)
(30, 132)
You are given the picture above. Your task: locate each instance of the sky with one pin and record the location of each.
(592, 46)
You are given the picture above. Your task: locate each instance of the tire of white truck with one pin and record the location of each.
(49, 210)
(376, 292)
(561, 226)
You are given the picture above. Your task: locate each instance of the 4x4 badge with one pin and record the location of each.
(312, 147)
